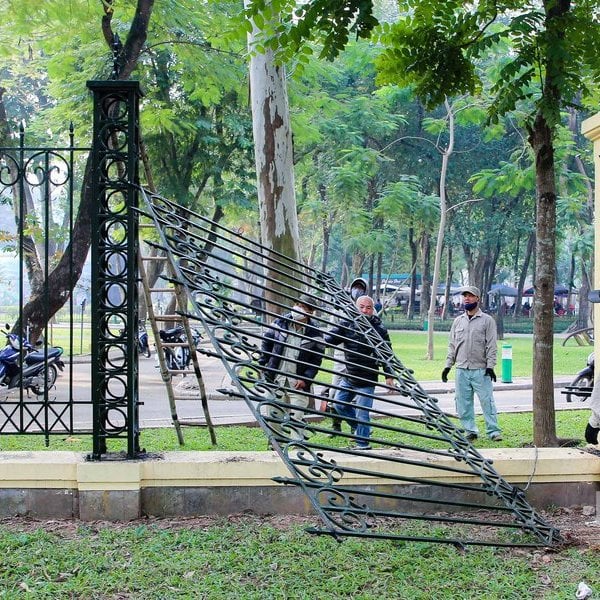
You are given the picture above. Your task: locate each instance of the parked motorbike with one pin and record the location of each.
(22, 365)
(178, 357)
(143, 343)
(584, 380)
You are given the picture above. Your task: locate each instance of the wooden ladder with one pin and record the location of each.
(167, 373)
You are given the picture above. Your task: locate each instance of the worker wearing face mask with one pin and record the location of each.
(472, 348)
(356, 289)
(354, 397)
(291, 354)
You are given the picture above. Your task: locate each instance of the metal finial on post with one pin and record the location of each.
(117, 46)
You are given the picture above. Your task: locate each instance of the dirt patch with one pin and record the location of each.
(578, 526)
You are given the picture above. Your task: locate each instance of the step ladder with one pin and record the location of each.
(167, 374)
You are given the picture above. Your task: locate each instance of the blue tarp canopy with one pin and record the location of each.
(559, 290)
(499, 289)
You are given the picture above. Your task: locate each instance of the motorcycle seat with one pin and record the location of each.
(39, 356)
(169, 333)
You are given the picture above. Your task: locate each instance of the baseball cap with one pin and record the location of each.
(470, 289)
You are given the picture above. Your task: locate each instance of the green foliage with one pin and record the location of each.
(428, 56)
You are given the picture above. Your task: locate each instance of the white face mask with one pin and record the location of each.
(299, 313)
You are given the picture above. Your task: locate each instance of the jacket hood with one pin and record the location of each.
(359, 280)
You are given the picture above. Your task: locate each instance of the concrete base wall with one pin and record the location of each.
(184, 484)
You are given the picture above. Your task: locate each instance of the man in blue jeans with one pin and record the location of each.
(354, 399)
(472, 348)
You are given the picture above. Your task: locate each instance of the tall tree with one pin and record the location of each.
(41, 306)
(273, 152)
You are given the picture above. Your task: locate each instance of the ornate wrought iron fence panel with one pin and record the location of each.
(406, 487)
(38, 183)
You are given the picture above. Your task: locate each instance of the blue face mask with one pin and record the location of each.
(471, 305)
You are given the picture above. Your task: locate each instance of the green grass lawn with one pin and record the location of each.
(411, 349)
(516, 430)
(248, 558)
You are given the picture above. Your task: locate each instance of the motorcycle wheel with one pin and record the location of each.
(49, 374)
(585, 380)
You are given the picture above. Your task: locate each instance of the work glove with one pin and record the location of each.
(591, 434)
(445, 374)
(490, 373)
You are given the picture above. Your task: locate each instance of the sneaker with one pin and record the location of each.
(360, 447)
(471, 437)
(496, 437)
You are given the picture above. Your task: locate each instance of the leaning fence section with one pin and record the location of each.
(405, 485)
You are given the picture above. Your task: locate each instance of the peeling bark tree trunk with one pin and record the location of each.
(544, 421)
(275, 174)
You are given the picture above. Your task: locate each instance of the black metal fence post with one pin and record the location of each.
(114, 304)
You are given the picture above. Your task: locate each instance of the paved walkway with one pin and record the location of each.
(227, 410)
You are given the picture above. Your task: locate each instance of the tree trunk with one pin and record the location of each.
(42, 307)
(273, 154)
(447, 296)
(414, 255)
(544, 422)
(441, 231)
(524, 269)
(326, 228)
(425, 275)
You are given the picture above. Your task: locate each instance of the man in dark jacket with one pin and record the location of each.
(354, 399)
(291, 353)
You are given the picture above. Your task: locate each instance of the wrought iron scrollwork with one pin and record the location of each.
(421, 458)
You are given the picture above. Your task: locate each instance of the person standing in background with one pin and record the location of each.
(472, 347)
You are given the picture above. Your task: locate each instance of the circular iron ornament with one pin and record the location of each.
(117, 138)
(114, 170)
(312, 466)
(263, 393)
(115, 107)
(344, 511)
(201, 283)
(250, 376)
(114, 355)
(9, 170)
(46, 168)
(114, 232)
(113, 264)
(216, 314)
(277, 417)
(235, 345)
(114, 388)
(115, 202)
(114, 421)
(113, 326)
(114, 295)
(186, 249)
(273, 415)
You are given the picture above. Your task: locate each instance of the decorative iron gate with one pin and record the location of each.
(37, 185)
